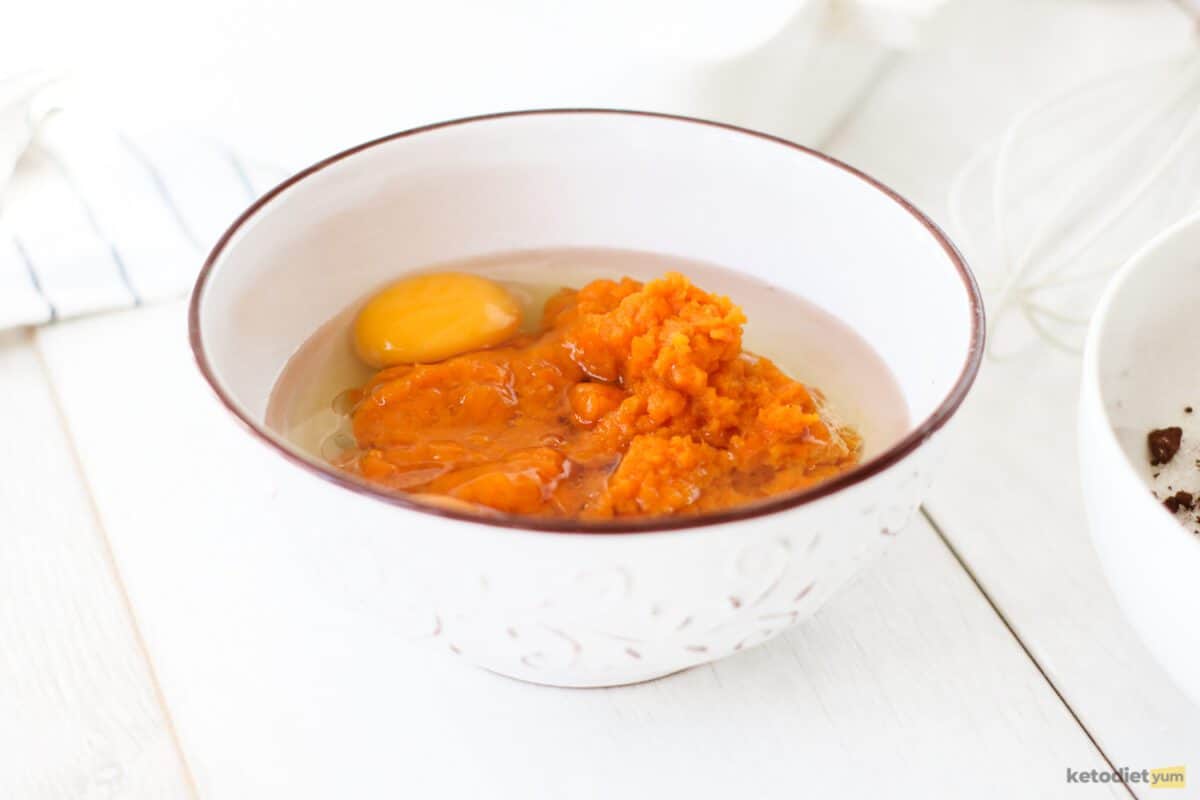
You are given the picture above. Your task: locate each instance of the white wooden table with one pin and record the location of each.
(983, 656)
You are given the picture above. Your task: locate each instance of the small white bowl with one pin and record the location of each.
(571, 603)
(1141, 369)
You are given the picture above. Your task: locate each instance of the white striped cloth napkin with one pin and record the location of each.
(95, 219)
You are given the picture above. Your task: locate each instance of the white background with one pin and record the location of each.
(298, 78)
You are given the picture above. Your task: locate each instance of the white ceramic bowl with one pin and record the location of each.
(1141, 369)
(569, 603)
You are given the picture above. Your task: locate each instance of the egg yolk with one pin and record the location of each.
(429, 318)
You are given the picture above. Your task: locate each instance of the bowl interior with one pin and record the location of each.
(749, 203)
(1148, 364)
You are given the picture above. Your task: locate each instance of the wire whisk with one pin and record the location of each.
(1048, 210)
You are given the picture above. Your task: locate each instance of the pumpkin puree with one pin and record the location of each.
(631, 400)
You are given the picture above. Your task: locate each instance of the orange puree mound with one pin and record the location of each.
(632, 400)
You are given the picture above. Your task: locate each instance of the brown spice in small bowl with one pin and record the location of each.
(1164, 444)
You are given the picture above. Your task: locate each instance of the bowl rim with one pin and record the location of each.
(783, 502)
(1092, 389)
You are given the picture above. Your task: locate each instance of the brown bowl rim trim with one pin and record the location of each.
(783, 502)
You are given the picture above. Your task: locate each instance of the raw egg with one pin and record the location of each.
(430, 318)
